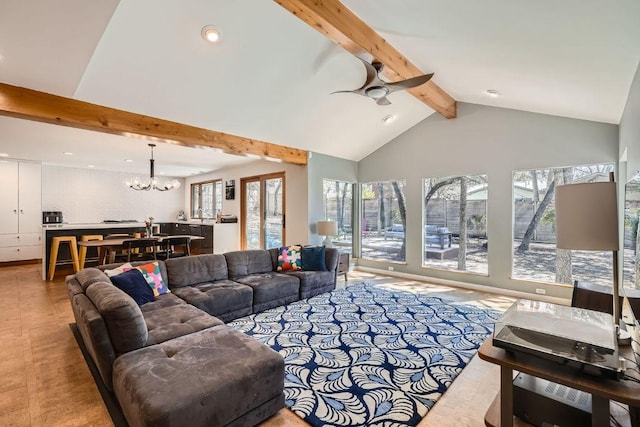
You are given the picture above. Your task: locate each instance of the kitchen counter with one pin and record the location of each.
(87, 225)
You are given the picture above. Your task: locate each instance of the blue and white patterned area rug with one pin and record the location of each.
(369, 355)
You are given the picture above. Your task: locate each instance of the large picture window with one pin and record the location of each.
(535, 256)
(384, 220)
(206, 199)
(455, 223)
(338, 207)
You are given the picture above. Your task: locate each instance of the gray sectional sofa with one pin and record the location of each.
(173, 361)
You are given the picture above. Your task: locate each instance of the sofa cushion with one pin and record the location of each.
(225, 299)
(122, 316)
(290, 258)
(161, 301)
(95, 336)
(186, 271)
(89, 276)
(313, 258)
(133, 283)
(176, 321)
(183, 382)
(271, 289)
(314, 282)
(242, 263)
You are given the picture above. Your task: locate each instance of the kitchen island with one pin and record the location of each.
(227, 237)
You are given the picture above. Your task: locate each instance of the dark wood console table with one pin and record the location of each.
(602, 390)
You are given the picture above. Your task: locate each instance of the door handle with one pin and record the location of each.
(15, 211)
(21, 211)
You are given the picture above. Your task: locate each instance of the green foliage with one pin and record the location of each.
(549, 218)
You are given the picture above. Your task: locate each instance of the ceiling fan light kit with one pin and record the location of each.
(152, 183)
(377, 89)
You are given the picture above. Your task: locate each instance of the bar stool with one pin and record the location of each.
(53, 255)
(83, 249)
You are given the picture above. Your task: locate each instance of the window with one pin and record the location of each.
(455, 223)
(338, 207)
(206, 199)
(535, 256)
(631, 253)
(384, 220)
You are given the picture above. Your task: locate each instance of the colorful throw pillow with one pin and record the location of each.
(153, 276)
(134, 284)
(290, 258)
(124, 267)
(313, 258)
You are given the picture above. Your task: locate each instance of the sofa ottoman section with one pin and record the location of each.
(215, 377)
(225, 299)
(172, 322)
(271, 289)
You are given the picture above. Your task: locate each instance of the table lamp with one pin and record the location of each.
(327, 229)
(587, 219)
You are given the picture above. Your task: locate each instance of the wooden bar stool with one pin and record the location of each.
(83, 249)
(53, 255)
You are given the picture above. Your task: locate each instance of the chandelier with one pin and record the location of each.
(152, 182)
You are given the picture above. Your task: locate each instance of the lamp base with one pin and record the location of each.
(623, 336)
(327, 242)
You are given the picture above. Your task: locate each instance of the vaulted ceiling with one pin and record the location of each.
(270, 76)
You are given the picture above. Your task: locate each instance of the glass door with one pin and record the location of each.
(263, 211)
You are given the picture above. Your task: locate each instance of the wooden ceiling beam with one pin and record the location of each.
(340, 25)
(43, 107)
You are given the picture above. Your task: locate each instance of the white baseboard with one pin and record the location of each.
(466, 285)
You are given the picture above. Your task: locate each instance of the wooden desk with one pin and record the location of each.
(602, 390)
(112, 245)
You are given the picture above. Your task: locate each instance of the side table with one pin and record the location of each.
(602, 389)
(343, 264)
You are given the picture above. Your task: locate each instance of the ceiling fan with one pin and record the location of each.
(377, 89)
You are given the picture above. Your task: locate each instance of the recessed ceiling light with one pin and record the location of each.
(492, 92)
(211, 34)
(90, 166)
(68, 153)
(129, 161)
(4, 155)
(388, 119)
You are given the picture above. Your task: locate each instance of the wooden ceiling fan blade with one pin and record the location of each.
(408, 83)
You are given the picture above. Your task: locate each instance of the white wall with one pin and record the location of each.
(90, 196)
(492, 141)
(630, 127)
(295, 186)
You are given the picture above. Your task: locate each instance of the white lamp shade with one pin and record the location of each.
(587, 216)
(327, 228)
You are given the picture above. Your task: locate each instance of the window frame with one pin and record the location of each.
(194, 209)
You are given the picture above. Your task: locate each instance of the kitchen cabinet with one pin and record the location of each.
(198, 247)
(20, 211)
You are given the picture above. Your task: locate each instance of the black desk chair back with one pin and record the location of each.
(173, 247)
